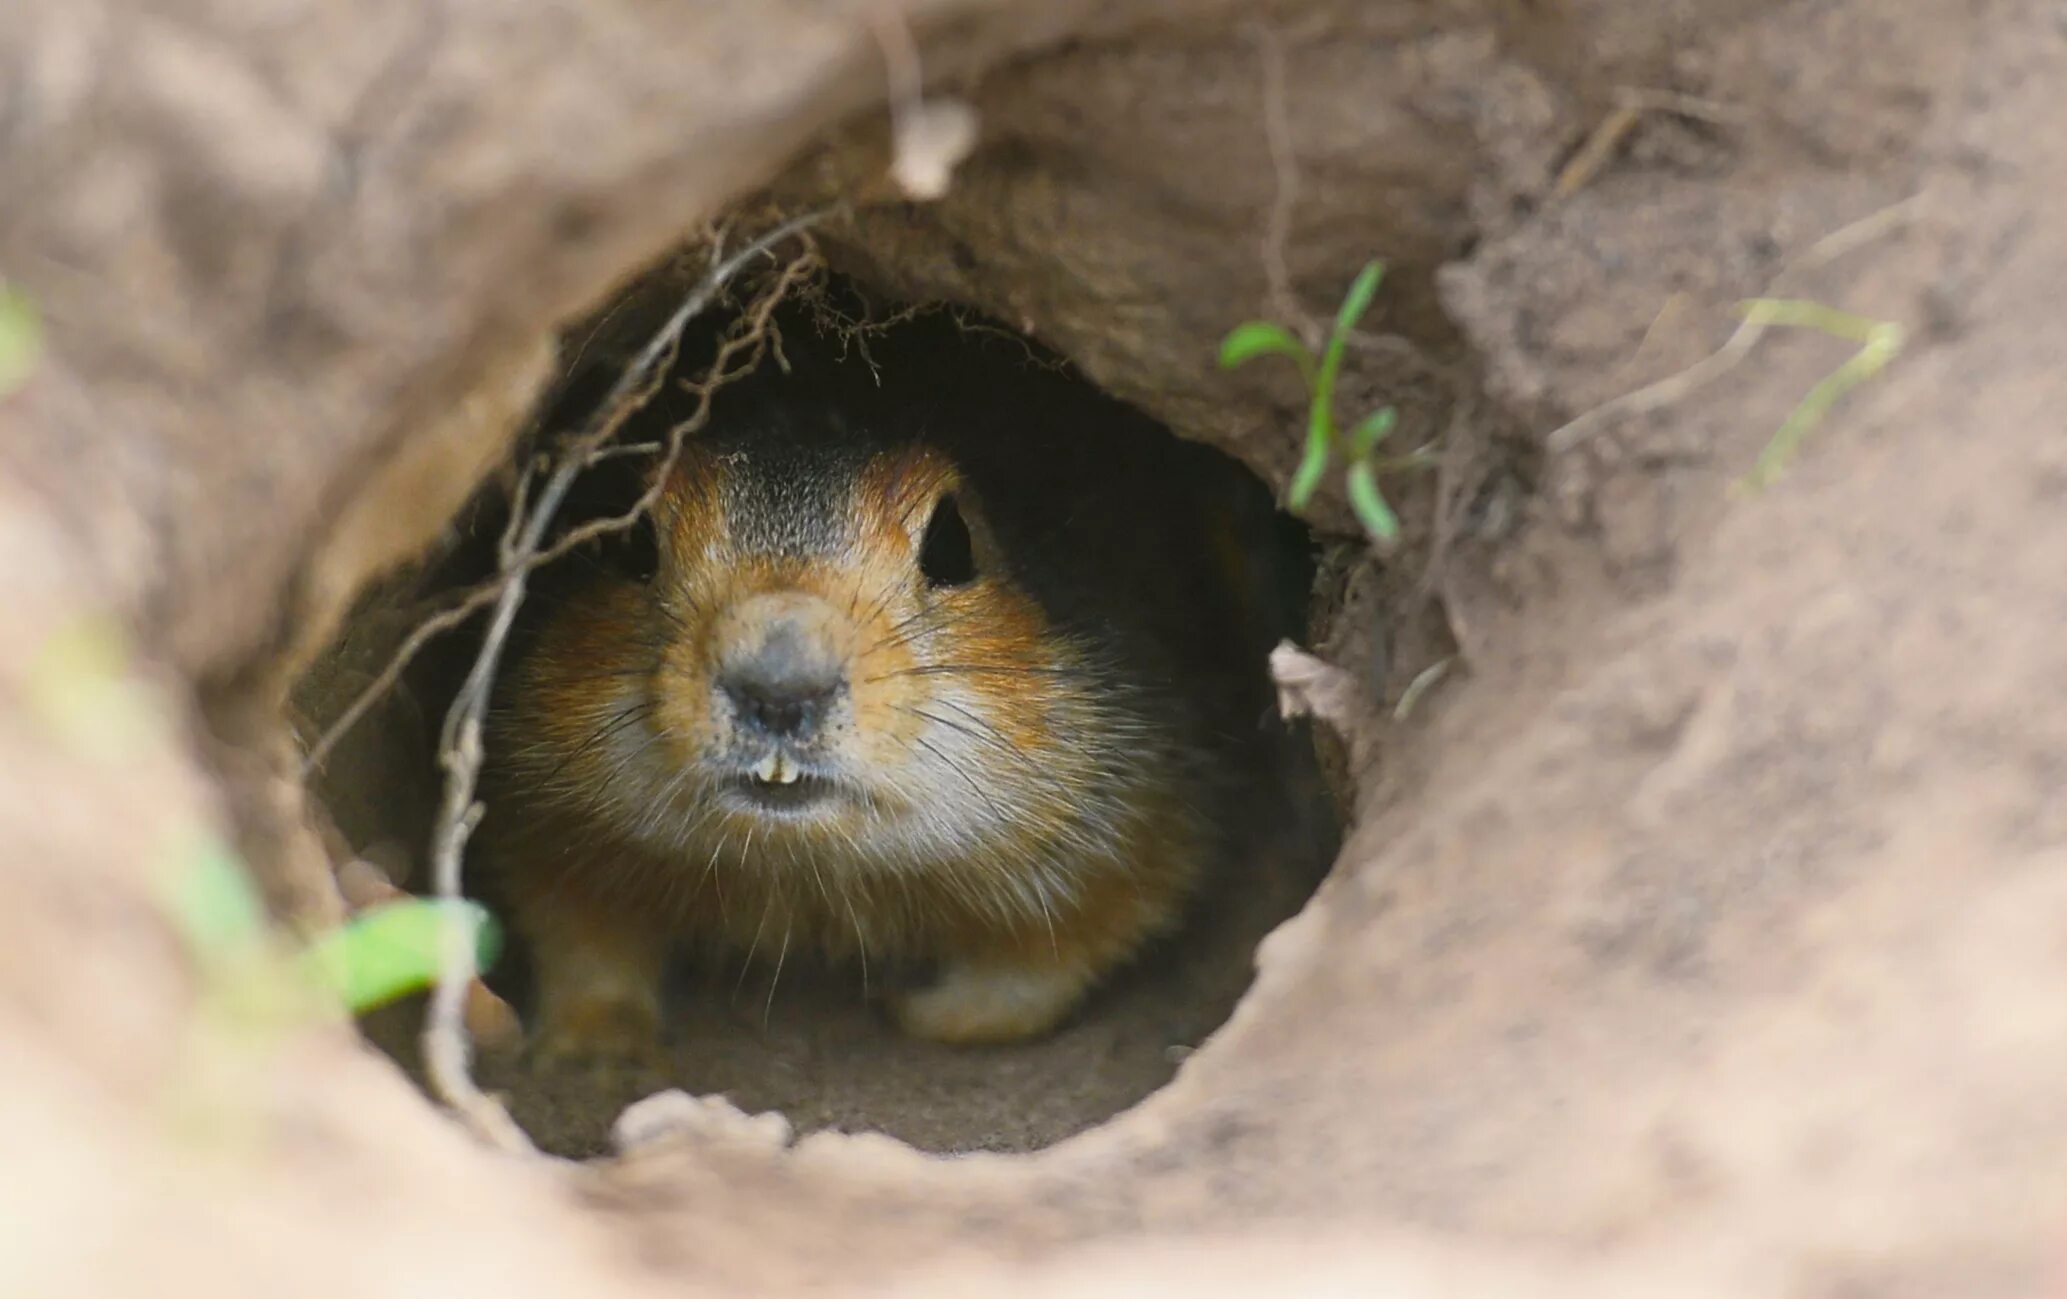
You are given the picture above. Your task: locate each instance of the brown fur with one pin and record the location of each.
(1076, 841)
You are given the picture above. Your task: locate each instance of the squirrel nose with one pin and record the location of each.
(780, 687)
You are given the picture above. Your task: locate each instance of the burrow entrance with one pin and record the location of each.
(1133, 266)
(783, 1029)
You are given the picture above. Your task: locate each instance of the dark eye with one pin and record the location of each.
(947, 555)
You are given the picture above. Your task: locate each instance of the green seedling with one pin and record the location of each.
(1324, 440)
(256, 989)
(393, 950)
(82, 686)
(21, 340)
(382, 954)
(1880, 341)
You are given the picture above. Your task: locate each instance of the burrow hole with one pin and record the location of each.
(1160, 557)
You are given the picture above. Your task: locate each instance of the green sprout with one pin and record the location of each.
(392, 950)
(21, 340)
(83, 687)
(1880, 341)
(256, 988)
(1255, 338)
(384, 953)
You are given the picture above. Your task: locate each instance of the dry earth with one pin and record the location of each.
(1700, 935)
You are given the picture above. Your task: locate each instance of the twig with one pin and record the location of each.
(1631, 104)
(1424, 681)
(1664, 392)
(481, 596)
(1593, 154)
(1856, 234)
(446, 1046)
(626, 449)
(721, 372)
(1675, 387)
(424, 633)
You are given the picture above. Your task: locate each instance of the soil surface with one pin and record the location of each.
(1701, 930)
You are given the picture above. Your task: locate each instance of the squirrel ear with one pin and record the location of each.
(957, 545)
(947, 550)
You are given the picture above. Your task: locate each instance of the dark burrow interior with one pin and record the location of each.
(806, 1038)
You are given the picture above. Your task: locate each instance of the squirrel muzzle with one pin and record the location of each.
(780, 680)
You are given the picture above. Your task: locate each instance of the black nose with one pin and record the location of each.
(781, 689)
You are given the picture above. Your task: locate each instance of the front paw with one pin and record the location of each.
(990, 1003)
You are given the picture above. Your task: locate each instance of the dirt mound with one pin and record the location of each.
(1698, 929)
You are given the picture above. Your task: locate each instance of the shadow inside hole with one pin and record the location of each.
(816, 1046)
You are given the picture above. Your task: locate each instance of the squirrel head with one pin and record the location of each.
(845, 656)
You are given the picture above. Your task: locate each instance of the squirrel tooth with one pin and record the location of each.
(765, 770)
(786, 772)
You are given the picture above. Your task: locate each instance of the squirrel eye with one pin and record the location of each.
(947, 554)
